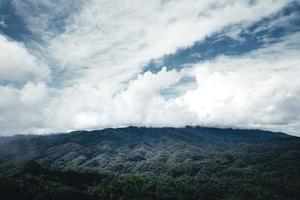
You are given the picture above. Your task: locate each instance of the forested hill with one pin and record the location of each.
(155, 150)
(151, 163)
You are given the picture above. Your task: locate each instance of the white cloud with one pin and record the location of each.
(8, 98)
(17, 64)
(23, 110)
(115, 39)
(83, 106)
(257, 90)
(98, 53)
(32, 94)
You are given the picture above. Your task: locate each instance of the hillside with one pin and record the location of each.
(155, 150)
(206, 163)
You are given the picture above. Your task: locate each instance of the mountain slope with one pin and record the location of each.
(155, 150)
(151, 163)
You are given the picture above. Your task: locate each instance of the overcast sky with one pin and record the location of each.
(91, 64)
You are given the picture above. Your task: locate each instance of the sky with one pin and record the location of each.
(92, 64)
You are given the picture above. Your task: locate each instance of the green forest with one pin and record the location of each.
(151, 164)
(35, 182)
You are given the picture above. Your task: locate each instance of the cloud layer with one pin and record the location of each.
(17, 64)
(84, 69)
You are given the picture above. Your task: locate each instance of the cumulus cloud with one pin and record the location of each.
(257, 90)
(83, 106)
(23, 110)
(33, 94)
(17, 64)
(97, 51)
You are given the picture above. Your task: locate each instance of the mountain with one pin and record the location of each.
(155, 150)
(206, 163)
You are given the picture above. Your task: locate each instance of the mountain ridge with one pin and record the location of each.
(138, 149)
(151, 163)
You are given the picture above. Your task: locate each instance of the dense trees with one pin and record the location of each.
(147, 164)
(274, 180)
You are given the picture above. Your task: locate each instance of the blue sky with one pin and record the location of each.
(252, 37)
(97, 64)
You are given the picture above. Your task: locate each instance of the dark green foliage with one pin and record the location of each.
(137, 187)
(140, 163)
(256, 182)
